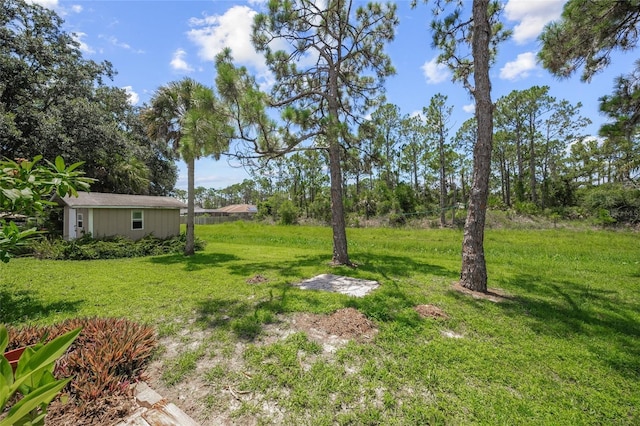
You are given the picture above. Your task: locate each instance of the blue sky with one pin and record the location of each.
(151, 43)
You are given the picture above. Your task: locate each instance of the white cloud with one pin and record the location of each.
(84, 47)
(434, 72)
(134, 98)
(49, 4)
(117, 43)
(233, 30)
(519, 68)
(533, 16)
(470, 108)
(57, 6)
(113, 40)
(179, 63)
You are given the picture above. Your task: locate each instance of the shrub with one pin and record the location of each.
(48, 248)
(603, 218)
(106, 357)
(495, 203)
(265, 209)
(288, 213)
(526, 207)
(397, 219)
(622, 204)
(320, 209)
(87, 248)
(405, 198)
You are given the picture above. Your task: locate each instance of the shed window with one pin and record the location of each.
(80, 220)
(137, 219)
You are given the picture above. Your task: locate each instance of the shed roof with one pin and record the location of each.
(119, 201)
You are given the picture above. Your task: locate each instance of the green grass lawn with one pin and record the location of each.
(564, 349)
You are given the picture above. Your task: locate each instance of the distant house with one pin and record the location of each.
(197, 211)
(224, 214)
(131, 216)
(242, 210)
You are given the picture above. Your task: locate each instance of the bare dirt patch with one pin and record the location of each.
(257, 279)
(330, 331)
(347, 323)
(430, 311)
(495, 295)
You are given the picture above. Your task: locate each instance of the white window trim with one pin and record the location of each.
(80, 220)
(141, 220)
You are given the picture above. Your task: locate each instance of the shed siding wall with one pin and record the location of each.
(162, 223)
(65, 224)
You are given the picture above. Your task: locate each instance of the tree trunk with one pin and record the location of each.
(532, 162)
(509, 175)
(340, 254)
(189, 248)
(503, 179)
(464, 186)
(416, 184)
(520, 160)
(453, 202)
(474, 269)
(443, 183)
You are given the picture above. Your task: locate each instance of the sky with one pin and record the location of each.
(153, 42)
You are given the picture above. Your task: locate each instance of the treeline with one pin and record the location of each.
(400, 166)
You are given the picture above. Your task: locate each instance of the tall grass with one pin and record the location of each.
(564, 348)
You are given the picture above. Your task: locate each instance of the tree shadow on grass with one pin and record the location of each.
(21, 306)
(399, 266)
(385, 304)
(288, 269)
(600, 319)
(215, 312)
(245, 319)
(388, 267)
(196, 262)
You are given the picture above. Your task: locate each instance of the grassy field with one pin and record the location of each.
(563, 349)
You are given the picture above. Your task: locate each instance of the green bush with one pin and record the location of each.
(87, 248)
(397, 219)
(603, 218)
(320, 209)
(621, 203)
(526, 207)
(265, 209)
(405, 198)
(288, 213)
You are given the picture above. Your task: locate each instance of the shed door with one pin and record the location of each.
(82, 220)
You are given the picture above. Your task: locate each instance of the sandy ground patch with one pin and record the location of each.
(339, 284)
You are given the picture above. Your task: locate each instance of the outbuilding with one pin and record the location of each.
(131, 216)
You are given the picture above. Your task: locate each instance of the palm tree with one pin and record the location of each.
(188, 117)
